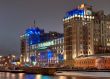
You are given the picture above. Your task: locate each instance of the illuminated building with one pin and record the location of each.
(78, 25)
(92, 63)
(23, 48)
(50, 52)
(38, 46)
(32, 36)
(52, 35)
(86, 32)
(7, 61)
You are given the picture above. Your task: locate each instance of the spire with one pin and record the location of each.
(34, 23)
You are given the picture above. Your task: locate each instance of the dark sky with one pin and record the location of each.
(17, 15)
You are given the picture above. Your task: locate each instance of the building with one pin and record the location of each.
(86, 32)
(35, 41)
(50, 52)
(23, 48)
(92, 63)
(7, 62)
(31, 36)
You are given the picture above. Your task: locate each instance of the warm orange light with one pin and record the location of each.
(82, 6)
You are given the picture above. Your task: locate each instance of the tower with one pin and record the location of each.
(78, 32)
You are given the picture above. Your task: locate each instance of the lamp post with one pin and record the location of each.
(13, 58)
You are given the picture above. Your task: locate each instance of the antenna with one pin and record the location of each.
(34, 23)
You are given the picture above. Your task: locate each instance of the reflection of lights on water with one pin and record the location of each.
(21, 75)
(74, 78)
(13, 76)
(7, 75)
(62, 77)
(43, 77)
(66, 77)
(29, 76)
(47, 77)
(38, 76)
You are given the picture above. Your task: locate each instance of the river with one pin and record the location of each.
(6, 75)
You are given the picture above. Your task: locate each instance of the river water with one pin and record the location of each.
(6, 75)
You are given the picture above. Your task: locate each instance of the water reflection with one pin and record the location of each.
(4, 75)
(38, 76)
(61, 77)
(13, 76)
(30, 76)
(21, 76)
(47, 77)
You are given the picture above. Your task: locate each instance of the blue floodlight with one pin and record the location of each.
(33, 35)
(74, 12)
(38, 32)
(49, 54)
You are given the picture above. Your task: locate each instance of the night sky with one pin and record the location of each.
(17, 15)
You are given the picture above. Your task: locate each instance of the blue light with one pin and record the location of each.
(30, 76)
(33, 35)
(36, 33)
(74, 12)
(39, 33)
(31, 42)
(27, 34)
(31, 32)
(49, 54)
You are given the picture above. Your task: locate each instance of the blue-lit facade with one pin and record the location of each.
(74, 12)
(50, 52)
(33, 35)
(40, 47)
(78, 33)
(84, 11)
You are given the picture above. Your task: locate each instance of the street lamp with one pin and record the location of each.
(13, 56)
(0, 56)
